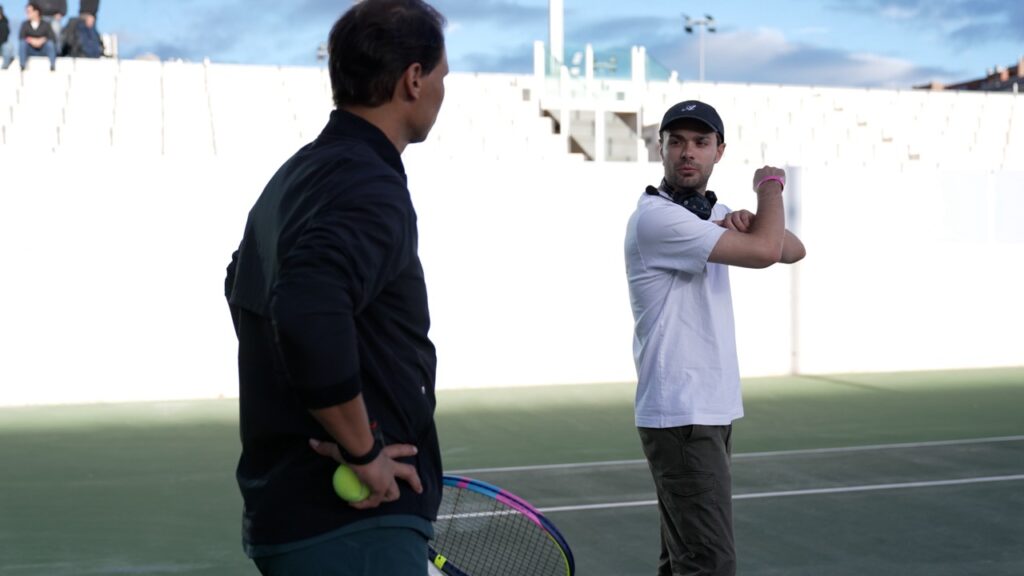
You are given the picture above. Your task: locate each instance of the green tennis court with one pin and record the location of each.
(909, 474)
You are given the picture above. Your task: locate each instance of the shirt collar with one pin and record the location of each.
(344, 124)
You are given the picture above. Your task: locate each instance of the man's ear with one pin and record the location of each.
(721, 150)
(412, 81)
(661, 150)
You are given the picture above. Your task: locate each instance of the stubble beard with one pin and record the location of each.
(696, 183)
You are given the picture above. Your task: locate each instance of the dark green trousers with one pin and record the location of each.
(693, 478)
(372, 552)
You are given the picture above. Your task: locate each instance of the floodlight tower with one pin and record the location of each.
(705, 23)
(556, 33)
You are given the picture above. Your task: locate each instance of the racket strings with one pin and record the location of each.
(484, 537)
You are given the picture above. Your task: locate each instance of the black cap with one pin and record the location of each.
(696, 110)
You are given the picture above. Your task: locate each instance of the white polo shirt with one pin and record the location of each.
(684, 341)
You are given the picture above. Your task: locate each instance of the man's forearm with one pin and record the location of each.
(349, 424)
(770, 222)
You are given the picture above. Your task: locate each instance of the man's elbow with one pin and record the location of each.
(766, 256)
(794, 255)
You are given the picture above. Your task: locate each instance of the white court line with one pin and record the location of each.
(808, 492)
(749, 455)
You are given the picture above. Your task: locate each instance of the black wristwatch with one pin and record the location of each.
(378, 445)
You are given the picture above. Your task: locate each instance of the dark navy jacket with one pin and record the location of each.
(51, 7)
(87, 42)
(328, 299)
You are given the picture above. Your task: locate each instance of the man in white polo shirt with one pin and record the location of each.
(679, 244)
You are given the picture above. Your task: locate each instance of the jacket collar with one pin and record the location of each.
(344, 124)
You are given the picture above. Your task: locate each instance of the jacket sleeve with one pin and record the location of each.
(340, 261)
(229, 284)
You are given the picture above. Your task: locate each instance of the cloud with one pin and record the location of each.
(899, 12)
(484, 38)
(499, 12)
(626, 31)
(274, 32)
(812, 31)
(235, 31)
(767, 56)
(964, 21)
(163, 50)
(763, 55)
(759, 56)
(517, 60)
(503, 12)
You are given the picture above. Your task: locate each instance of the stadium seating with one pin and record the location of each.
(127, 183)
(189, 110)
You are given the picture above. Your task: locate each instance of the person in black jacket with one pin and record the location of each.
(5, 34)
(53, 12)
(81, 38)
(328, 301)
(36, 38)
(51, 8)
(89, 7)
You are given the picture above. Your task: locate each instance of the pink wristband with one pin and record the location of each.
(778, 179)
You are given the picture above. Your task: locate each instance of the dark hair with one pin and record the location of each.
(372, 45)
(35, 6)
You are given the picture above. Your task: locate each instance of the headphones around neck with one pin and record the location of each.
(699, 204)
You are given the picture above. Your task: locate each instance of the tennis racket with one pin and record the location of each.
(482, 530)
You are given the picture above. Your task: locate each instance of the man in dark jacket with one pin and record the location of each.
(36, 38)
(53, 12)
(89, 7)
(49, 8)
(81, 38)
(5, 34)
(329, 304)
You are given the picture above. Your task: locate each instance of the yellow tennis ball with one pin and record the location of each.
(348, 486)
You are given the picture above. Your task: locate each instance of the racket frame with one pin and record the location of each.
(515, 503)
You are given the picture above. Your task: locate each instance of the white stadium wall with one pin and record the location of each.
(112, 286)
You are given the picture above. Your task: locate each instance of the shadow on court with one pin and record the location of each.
(820, 488)
(946, 507)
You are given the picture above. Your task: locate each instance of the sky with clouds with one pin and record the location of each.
(869, 43)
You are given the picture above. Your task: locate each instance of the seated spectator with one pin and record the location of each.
(90, 6)
(36, 38)
(5, 46)
(81, 39)
(53, 12)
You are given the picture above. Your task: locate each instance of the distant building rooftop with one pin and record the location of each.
(1008, 79)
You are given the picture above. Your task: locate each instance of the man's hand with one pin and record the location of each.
(36, 41)
(740, 221)
(761, 174)
(381, 475)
